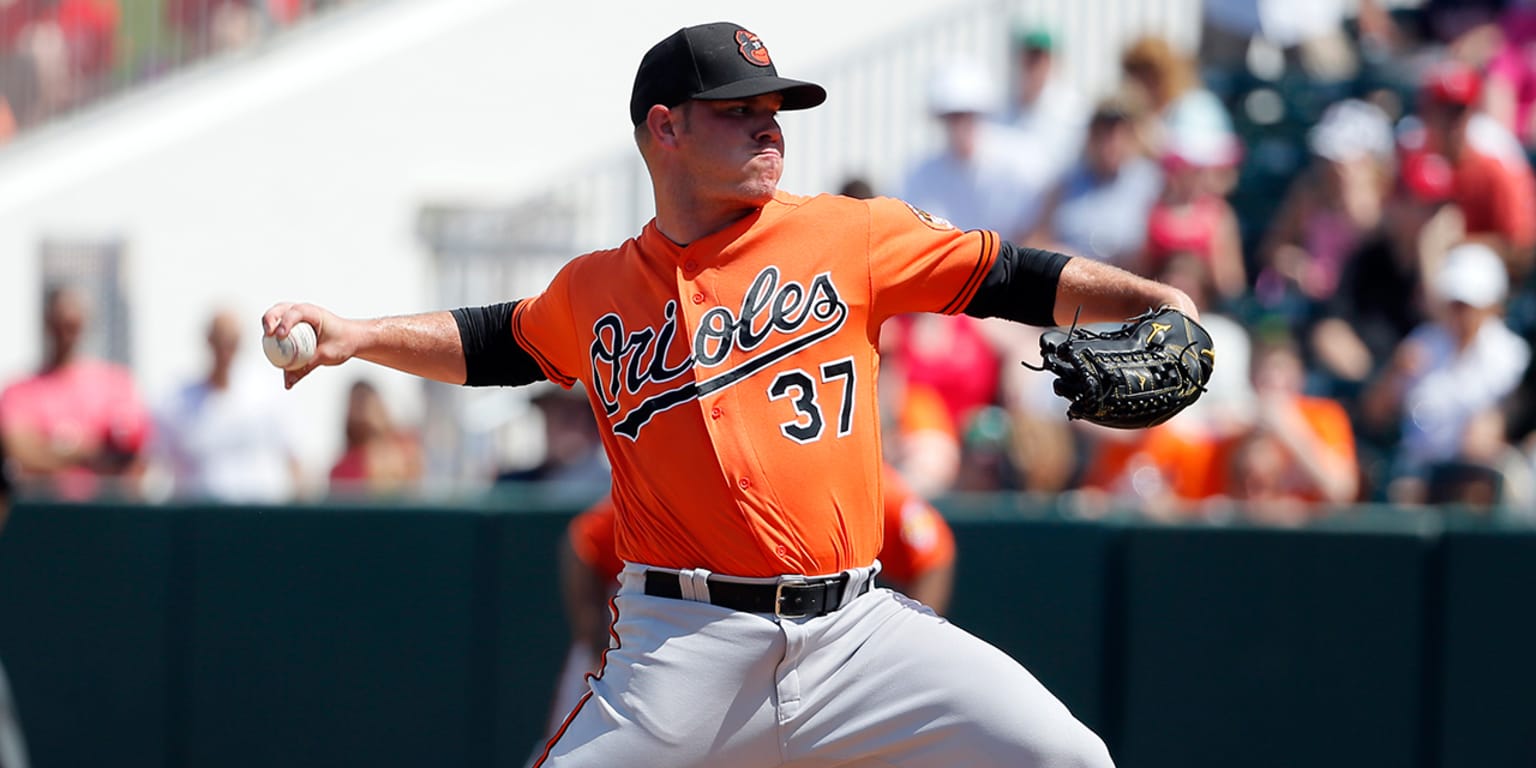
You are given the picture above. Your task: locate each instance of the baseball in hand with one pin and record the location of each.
(294, 351)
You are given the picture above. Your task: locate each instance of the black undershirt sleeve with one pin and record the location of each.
(1021, 286)
(492, 358)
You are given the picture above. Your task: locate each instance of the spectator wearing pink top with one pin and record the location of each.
(1509, 89)
(76, 429)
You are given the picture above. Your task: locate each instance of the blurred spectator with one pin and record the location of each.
(1333, 205)
(1100, 209)
(1308, 34)
(1509, 91)
(14, 15)
(952, 355)
(1228, 402)
(1467, 29)
(77, 428)
(210, 26)
(1494, 186)
(986, 457)
(20, 100)
(89, 28)
(1158, 473)
(1192, 136)
(917, 560)
(1188, 218)
(1451, 371)
(1380, 298)
(1049, 115)
(918, 435)
(984, 177)
(1489, 472)
(1188, 118)
(17, 84)
(1256, 472)
(379, 458)
(1298, 451)
(575, 468)
(35, 74)
(225, 436)
(1042, 449)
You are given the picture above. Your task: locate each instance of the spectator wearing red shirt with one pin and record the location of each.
(953, 356)
(1189, 217)
(1494, 186)
(77, 428)
(90, 30)
(379, 457)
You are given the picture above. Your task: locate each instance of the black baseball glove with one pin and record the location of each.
(1133, 375)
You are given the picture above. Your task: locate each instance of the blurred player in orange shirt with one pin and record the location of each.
(918, 560)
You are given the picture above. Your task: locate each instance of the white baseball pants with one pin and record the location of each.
(881, 682)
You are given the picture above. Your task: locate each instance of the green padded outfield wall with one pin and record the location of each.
(1487, 674)
(180, 637)
(345, 639)
(1269, 649)
(85, 632)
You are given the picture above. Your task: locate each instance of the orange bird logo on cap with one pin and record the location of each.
(752, 49)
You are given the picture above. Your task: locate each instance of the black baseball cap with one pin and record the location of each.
(713, 61)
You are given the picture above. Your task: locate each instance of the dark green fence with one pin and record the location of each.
(172, 637)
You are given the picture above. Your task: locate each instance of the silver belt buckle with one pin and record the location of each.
(778, 598)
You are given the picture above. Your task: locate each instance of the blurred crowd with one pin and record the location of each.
(59, 55)
(1350, 201)
(78, 428)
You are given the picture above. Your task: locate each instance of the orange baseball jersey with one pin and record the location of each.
(917, 541)
(734, 377)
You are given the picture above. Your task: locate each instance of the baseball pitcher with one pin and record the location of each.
(729, 353)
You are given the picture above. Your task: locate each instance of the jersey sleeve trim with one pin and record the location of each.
(550, 371)
(984, 261)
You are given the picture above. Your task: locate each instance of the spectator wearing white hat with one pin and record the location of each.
(985, 176)
(1051, 116)
(1450, 377)
(1333, 206)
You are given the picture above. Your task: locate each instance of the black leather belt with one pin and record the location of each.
(789, 599)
